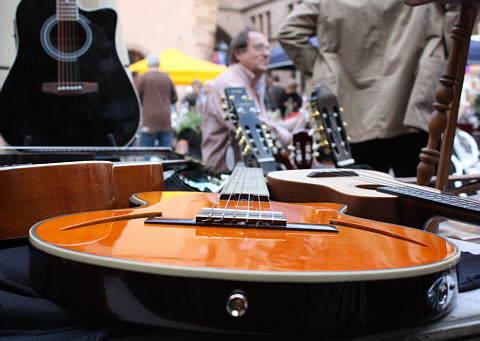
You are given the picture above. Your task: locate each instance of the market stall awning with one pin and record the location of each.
(182, 69)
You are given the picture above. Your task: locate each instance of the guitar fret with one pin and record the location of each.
(67, 10)
(246, 182)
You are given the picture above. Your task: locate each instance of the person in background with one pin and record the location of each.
(276, 91)
(157, 93)
(290, 100)
(383, 60)
(248, 58)
(194, 98)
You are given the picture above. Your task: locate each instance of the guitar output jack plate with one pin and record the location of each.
(237, 304)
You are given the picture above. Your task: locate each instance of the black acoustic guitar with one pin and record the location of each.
(67, 86)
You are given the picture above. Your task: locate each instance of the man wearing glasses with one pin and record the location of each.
(249, 55)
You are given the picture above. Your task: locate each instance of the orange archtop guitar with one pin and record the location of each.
(237, 261)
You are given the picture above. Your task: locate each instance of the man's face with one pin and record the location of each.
(257, 55)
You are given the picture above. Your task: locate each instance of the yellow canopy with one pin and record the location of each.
(182, 69)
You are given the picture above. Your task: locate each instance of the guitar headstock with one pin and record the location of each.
(253, 137)
(301, 149)
(327, 115)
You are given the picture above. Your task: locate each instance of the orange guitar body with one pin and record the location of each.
(365, 275)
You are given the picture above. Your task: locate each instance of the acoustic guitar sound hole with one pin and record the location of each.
(66, 40)
(68, 36)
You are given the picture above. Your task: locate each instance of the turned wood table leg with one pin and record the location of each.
(444, 95)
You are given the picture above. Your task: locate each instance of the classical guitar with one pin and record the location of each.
(301, 149)
(329, 126)
(237, 261)
(67, 86)
(371, 194)
(253, 137)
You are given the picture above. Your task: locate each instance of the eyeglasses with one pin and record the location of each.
(261, 47)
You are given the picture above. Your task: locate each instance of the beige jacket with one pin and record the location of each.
(382, 59)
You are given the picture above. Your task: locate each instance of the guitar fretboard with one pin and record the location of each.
(67, 10)
(245, 183)
(444, 199)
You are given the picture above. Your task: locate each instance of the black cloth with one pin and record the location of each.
(25, 315)
(468, 272)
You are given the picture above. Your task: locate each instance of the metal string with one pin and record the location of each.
(372, 179)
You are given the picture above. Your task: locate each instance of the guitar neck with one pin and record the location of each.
(245, 183)
(67, 10)
(253, 139)
(443, 199)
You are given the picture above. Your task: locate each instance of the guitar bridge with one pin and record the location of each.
(241, 217)
(77, 88)
(263, 224)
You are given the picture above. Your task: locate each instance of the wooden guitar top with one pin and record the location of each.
(361, 249)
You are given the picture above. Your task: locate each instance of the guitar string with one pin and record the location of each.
(68, 48)
(59, 45)
(76, 43)
(371, 179)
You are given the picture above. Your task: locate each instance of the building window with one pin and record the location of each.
(268, 25)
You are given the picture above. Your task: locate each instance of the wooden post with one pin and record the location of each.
(444, 95)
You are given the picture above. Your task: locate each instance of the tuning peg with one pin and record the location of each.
(231, 97)
(320, 129)
(244, 97)
(268, 136)
(345, 124)
(271, 145)
(243, 140)
(225, 107)
(341, 109)
(223, 99)
(315, 113)
(246, 150)
(264, 127)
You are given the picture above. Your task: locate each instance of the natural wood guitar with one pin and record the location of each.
(371, 194)
(237, 261)
(31, 193)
